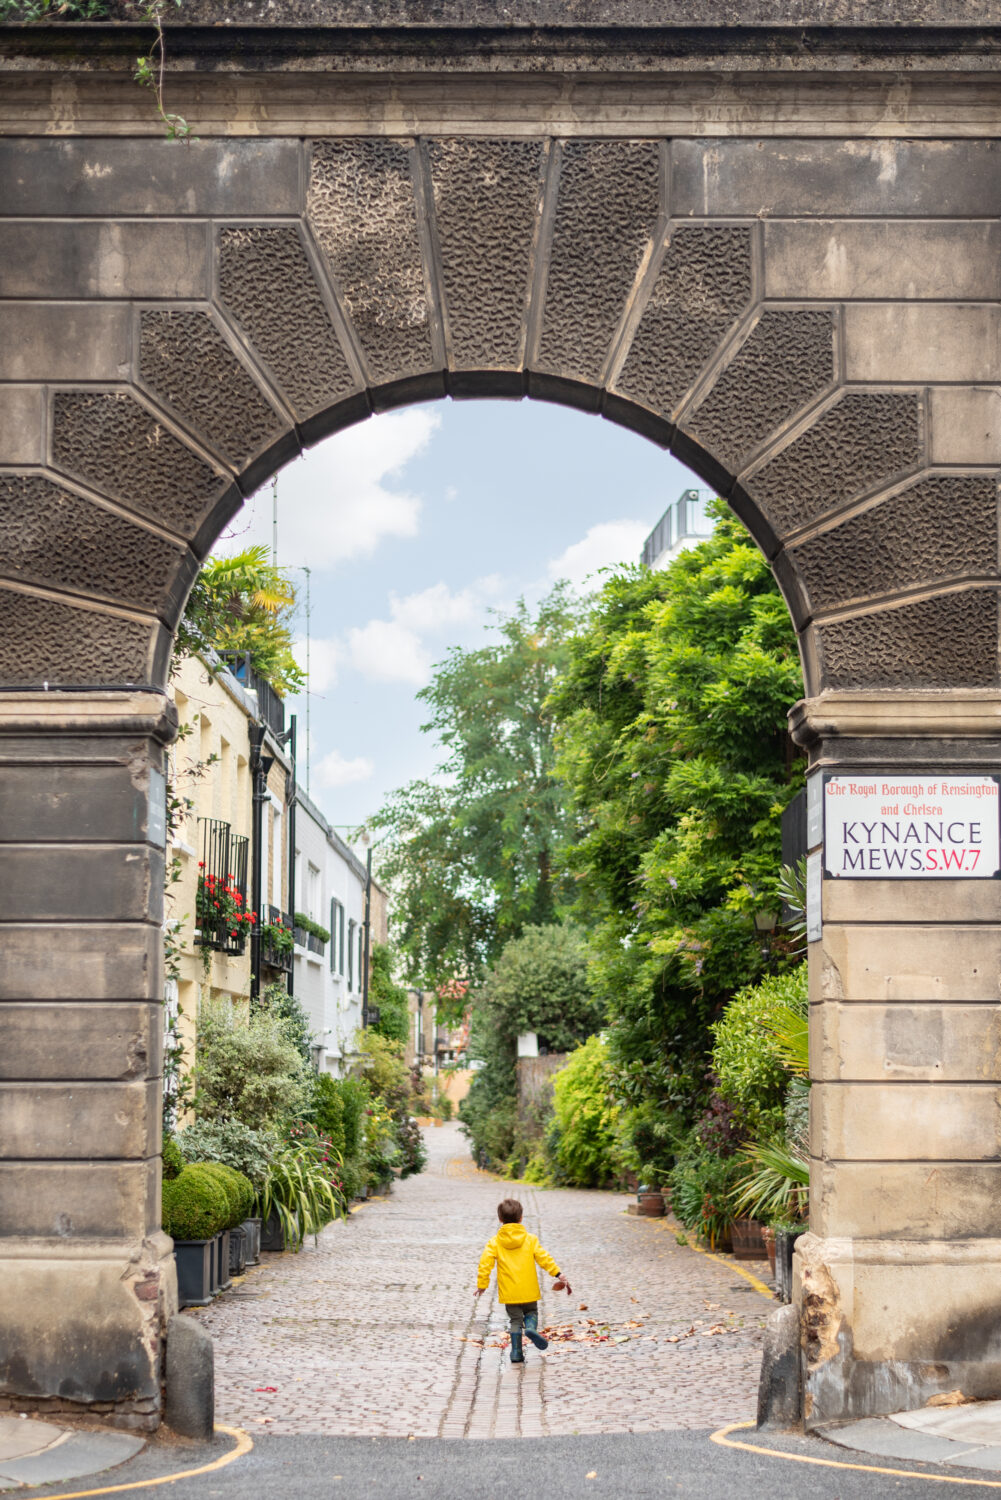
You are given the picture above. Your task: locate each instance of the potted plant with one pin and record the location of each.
(748, 1241)
(194, 1210)
(650, 1202)
(240, 1197)
(298, 1196)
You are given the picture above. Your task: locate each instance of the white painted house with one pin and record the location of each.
(330, 889)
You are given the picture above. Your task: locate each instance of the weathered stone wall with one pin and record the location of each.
(774, 251)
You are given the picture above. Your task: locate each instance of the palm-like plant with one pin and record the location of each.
(298, 1190)
(778, 1184)
(244, 603)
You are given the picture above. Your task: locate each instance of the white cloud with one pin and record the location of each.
(335, 770)
(604, 546)
(341, 504)
(389, 652)
(437, 608)
(325, 657)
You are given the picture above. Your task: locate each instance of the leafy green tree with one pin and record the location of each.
(390, 997)
(244, 603)
(469, 853)
(671, 738)
(539, 983)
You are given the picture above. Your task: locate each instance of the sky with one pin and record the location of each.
(415, 525)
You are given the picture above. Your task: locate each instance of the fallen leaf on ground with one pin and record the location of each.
(582, 1307)
(593, 1474)
(269, 1388)
(949, 1398)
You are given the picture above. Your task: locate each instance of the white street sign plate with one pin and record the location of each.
(911, 828)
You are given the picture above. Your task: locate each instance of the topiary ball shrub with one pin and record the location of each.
(235, 1186)
(173, 1159)
(195, 1207)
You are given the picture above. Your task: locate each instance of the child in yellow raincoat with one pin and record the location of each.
(515, 1252)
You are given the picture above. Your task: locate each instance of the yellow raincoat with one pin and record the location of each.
(515, 1252)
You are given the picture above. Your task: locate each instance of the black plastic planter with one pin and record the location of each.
(195, 1259)
(237, 1251)
(222, 1273)
(272, 1234)
(214, 1265)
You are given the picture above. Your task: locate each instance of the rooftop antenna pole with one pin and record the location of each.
(308, 694)
(274, 520)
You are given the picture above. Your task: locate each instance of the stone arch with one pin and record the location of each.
(569, 270)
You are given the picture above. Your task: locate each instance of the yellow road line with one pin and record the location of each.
(722, 1437)
(731, 1265)
(244, 1443)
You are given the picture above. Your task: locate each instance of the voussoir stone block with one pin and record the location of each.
(46, 640)
(362, 210)
(109, 440)
(607, 212)
(22, 424)
(947, 641)
(942, 527)
(51, 536)
(487, 196)
(786, 361)
(267, 284)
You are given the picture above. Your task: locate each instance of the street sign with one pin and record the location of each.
(911, 828)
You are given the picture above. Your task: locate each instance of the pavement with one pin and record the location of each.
(363, 1366)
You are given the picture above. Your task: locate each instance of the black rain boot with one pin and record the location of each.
(517, 1357)
(532, 1330)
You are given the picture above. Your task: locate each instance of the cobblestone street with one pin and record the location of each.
(375, 1331)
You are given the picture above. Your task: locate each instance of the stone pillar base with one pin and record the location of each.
(886, 1324)
(83, 1328)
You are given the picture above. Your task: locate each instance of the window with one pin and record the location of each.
(312, 891)
(336, 936)
(361, 957)
(351, 954)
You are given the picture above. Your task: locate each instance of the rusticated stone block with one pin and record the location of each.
(798, 179)
(933, 1043)
(863, 441)
(45, 640)
(941, 527)
(703, 285)
(150, 177)
(51, 536)
(117, 961)
(362, 210)
(60, 258)
(949, 641)
(22, 418)
(110, 441)
(81, 882)
(786, 361)
(905, 1121)
(102, 1200)
(606, 216)
(267, 284)
(909, 342)
(185, 361)
(965, 424)
(910, 962)
(79, 1121)
(845, 258)
(71, 803)
(906, 1200)
(80, 1042)
(64, 341)
(486, 198)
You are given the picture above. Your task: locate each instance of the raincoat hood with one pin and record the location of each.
(512, 1236)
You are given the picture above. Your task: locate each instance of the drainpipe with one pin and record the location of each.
(260, 765)
(289, 738)
(368, 937)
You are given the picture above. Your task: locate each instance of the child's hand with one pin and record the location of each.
(479, 1291)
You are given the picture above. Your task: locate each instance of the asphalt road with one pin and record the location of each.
(632, 1466)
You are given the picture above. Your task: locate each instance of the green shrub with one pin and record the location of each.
(651, 1134)
(391, 998)
(445, 1107)
(328, 1110)
(195, 1205)
(354, 1094)
(585, 1118)
(233, 1143)
(173, 1160)
(703, 1188)
(229, 1181)
(300, 1192)
(747, 1057)
(248, 1070)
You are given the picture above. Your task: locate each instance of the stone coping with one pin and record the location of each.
(36, 1452)
(967, 1435)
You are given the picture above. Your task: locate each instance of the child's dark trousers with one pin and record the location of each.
(516, 1312)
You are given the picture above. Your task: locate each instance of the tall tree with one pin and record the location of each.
(671, 736)
(469, 853)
